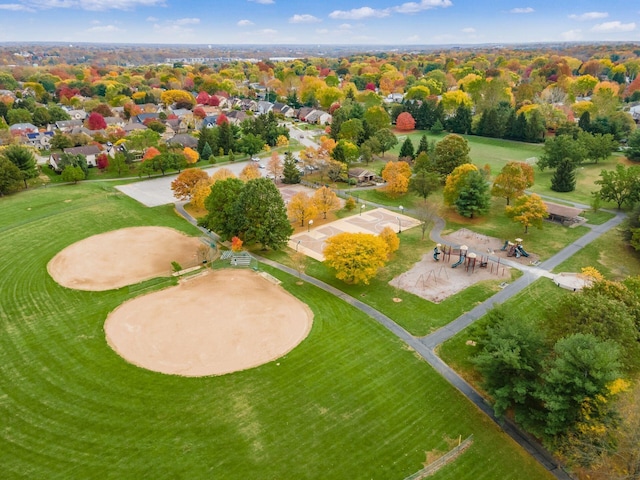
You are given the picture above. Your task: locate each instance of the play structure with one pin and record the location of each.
(463, 256)
(514, 249)
(436, 252)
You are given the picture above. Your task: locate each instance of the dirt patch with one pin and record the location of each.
(209, 325)
(122, 257)
(437, 281)
(486, 245)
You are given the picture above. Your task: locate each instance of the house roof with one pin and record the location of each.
(361, 172)
(23, 127)
(83, 150)
(130, 127)
(183, 139)
(564, 211)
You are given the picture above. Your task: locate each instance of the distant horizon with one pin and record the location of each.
(428, 23)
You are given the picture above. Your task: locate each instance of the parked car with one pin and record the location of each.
(255, 159)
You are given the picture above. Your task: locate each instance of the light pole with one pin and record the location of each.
(361, 208)
(400, 221)
(298, 244)
(309, 223)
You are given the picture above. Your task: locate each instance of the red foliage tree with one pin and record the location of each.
(102, 161)
(131, 110)
(65, 92)
(214, 100)
(203, 98)
(222, 118)
(633, 86)
(199, 112)
(334, 106)
(405, 122)
(370, 86)
(96, 122)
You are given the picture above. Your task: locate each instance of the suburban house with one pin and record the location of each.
(210, 121)
(264, 107)
(77, 114)
(22, 128)
(635, 113)
(39, 140)
(318, 117)
(362, 175)
(284, 109)
(90, 152)
(236, 117)
(65, 126)
(184, 140)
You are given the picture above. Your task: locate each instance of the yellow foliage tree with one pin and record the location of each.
(390, 237)
(325, 200)
(250, 172)
(301, 208)
(356, 257)
(591, 273)
(455, 180)
(222, 174)
(191, 155)
(529, 210)
(169, 97)
(282, 141)
(185, 183)
(452, 100)
(397, 175)
(200, 192)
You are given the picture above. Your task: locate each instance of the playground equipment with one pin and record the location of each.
(514, 249)
(436, 252)
(463, 256)
(471, 262)
(506, 244)
(431, 274)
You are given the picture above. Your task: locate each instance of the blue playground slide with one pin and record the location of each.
(459, 262)
(506, 244)
(521, 251)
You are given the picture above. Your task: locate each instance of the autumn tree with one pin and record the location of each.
(356, 257)
(222, 174)
(325, 200)
(184, 184)
(512, 181)
(96, 122)
(275, 166)
(301, 207)
(249, 172)
(528, 210)
(396, 175)
(390, 238)
(190, 155)
(169, 97)
(455, 182)
(405, 122)
(200, 192)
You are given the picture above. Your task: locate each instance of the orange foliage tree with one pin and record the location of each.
(236, 244)
(185, 183)
(512, 181)
(150, 153)
(390, 238)
(191, 155)
(405, 122)
(249, 172)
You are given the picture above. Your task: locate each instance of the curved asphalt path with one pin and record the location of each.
(426, 346)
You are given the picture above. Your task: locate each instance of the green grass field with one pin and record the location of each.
(351, 401)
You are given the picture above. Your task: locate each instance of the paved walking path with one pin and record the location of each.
(426, 346)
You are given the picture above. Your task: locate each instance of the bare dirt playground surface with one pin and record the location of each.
(122, 257)
(217, 323)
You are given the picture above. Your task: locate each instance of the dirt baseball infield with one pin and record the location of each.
(122, 257)
(216, 323)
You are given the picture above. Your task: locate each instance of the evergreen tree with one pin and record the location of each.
(564, 178)
(423, 146)
(437, 127)
(206, 152)
(491, 124)
(461, 121)
(290, 171)
(585, 122)
(535, 129)
(406, 150)
(474, 197)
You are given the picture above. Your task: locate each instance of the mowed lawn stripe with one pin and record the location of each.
(351, 401)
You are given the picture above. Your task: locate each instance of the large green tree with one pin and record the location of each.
(450, 152)
(564, 178)
(621, 185)
(221, 208)
(386, 140)
(560, 148)
(262, 215)
(474, 198)
(23, 158)
(423, 183)
(10, 176)
(406, 150)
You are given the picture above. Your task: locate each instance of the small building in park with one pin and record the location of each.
(362, 175)
(564, 214)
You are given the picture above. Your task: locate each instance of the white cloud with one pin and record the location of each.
(469, 30)
(522, 10)
(16, 7)
(245, 23)
(412, 39)
(305, 18)
(152, 19)
(571, 35)
(187, 21)
(263, 2)
(345, 26)
(614, 27)
(96, 5)
(358, 13)
(322, 31)
(268, 31)
(415, 7)
(589, 16)
(103, 29)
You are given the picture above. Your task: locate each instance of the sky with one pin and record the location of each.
(319, 22)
